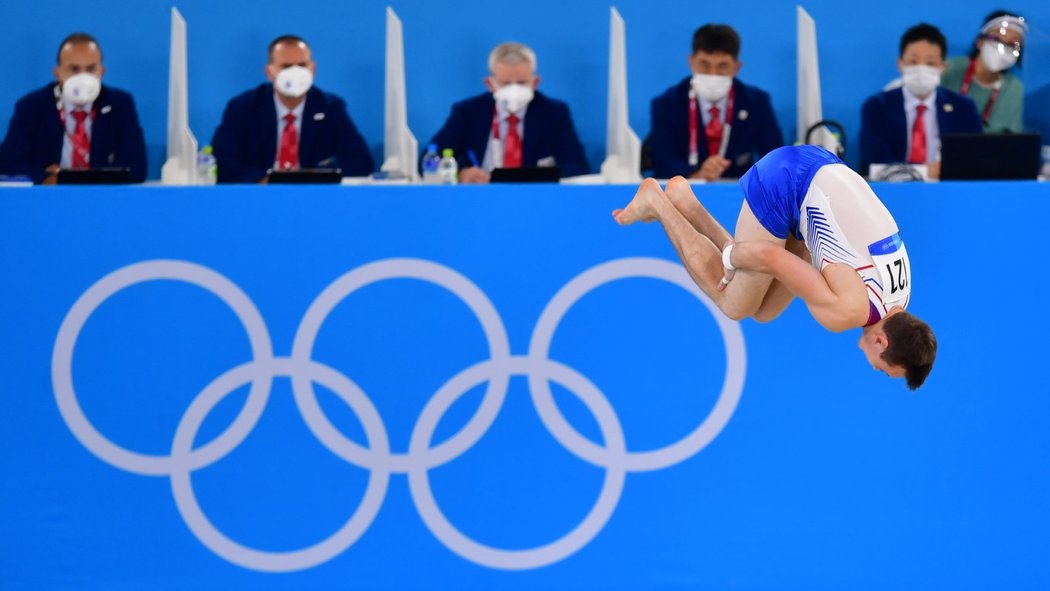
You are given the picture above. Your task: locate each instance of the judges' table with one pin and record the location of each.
(499, 388)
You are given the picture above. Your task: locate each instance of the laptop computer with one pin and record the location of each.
(305, 176)
(526, 174)
(990, 156)
(94, 176)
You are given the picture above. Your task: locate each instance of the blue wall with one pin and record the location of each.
(826, 474)
(448, 43)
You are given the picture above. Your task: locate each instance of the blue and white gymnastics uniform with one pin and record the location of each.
(807, 192)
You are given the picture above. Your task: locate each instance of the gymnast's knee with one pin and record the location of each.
(736, 310)
(765, 316)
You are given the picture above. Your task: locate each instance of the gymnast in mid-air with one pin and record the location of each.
(811, 228)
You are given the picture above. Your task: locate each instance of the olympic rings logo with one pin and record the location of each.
(421, 457)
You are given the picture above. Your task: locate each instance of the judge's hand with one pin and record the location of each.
(712, 169)
(933, 170)
(473, 175)
(52, 175)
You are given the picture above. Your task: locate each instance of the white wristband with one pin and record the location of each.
(727, 257)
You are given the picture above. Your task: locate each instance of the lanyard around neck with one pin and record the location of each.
(694, 125)
(971, 71)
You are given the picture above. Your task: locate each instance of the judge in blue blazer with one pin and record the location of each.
(41, 138)
(891, 129)
(479, 130)
(686, 139)
(287, 124)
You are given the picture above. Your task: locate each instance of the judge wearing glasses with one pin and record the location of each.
(987, 74)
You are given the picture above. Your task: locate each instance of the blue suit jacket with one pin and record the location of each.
(755, 132)
(884, 126)
(245, 143)
(35, 136)
(548, 132)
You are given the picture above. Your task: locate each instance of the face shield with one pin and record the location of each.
(1003, 41)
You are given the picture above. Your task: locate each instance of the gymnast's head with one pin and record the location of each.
(901, 346)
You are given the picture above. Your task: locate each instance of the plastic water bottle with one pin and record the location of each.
(432, 165)
(448, 170)
(207, 167)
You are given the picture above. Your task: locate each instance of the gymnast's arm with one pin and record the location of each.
(837, 298)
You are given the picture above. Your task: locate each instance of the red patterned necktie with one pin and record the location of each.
(81, 143)
(288, 155)
(512, 146)
(713, 132)
(918, 138)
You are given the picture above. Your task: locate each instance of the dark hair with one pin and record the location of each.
(77, 39)
(997, 14)
(284, 39)
(716, 39)
(912, 346)
(924, 32)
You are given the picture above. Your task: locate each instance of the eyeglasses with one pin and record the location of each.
(1014, 47)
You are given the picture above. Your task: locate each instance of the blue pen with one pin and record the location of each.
(473, 158)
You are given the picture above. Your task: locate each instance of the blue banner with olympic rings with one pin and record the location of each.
(491, 388)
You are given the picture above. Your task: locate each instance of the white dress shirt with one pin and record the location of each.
(494, 153)
(71, 127)
(281, 112)
(705, 111)
(933, 133)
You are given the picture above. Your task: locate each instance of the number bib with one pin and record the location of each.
(891, 261)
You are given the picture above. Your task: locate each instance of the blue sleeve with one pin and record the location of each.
(131, 143)
(874, 142)
(451, 135)
(231, 148)
(768, 136)
(570, 158)
(667, 160)
(969, 118)
(17, 148)
(355, 159)
(760, 130)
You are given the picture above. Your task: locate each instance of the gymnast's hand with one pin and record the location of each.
(727, 264)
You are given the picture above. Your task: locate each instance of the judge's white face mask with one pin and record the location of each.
(1002, 37)
(80, 90)
(921, 80)
(710, 87)
(293, 81)
(514, 97)
(997, 56)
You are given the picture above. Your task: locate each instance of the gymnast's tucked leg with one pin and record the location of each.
(700, 255)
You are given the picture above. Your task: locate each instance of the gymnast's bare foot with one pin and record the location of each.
(640, 209)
